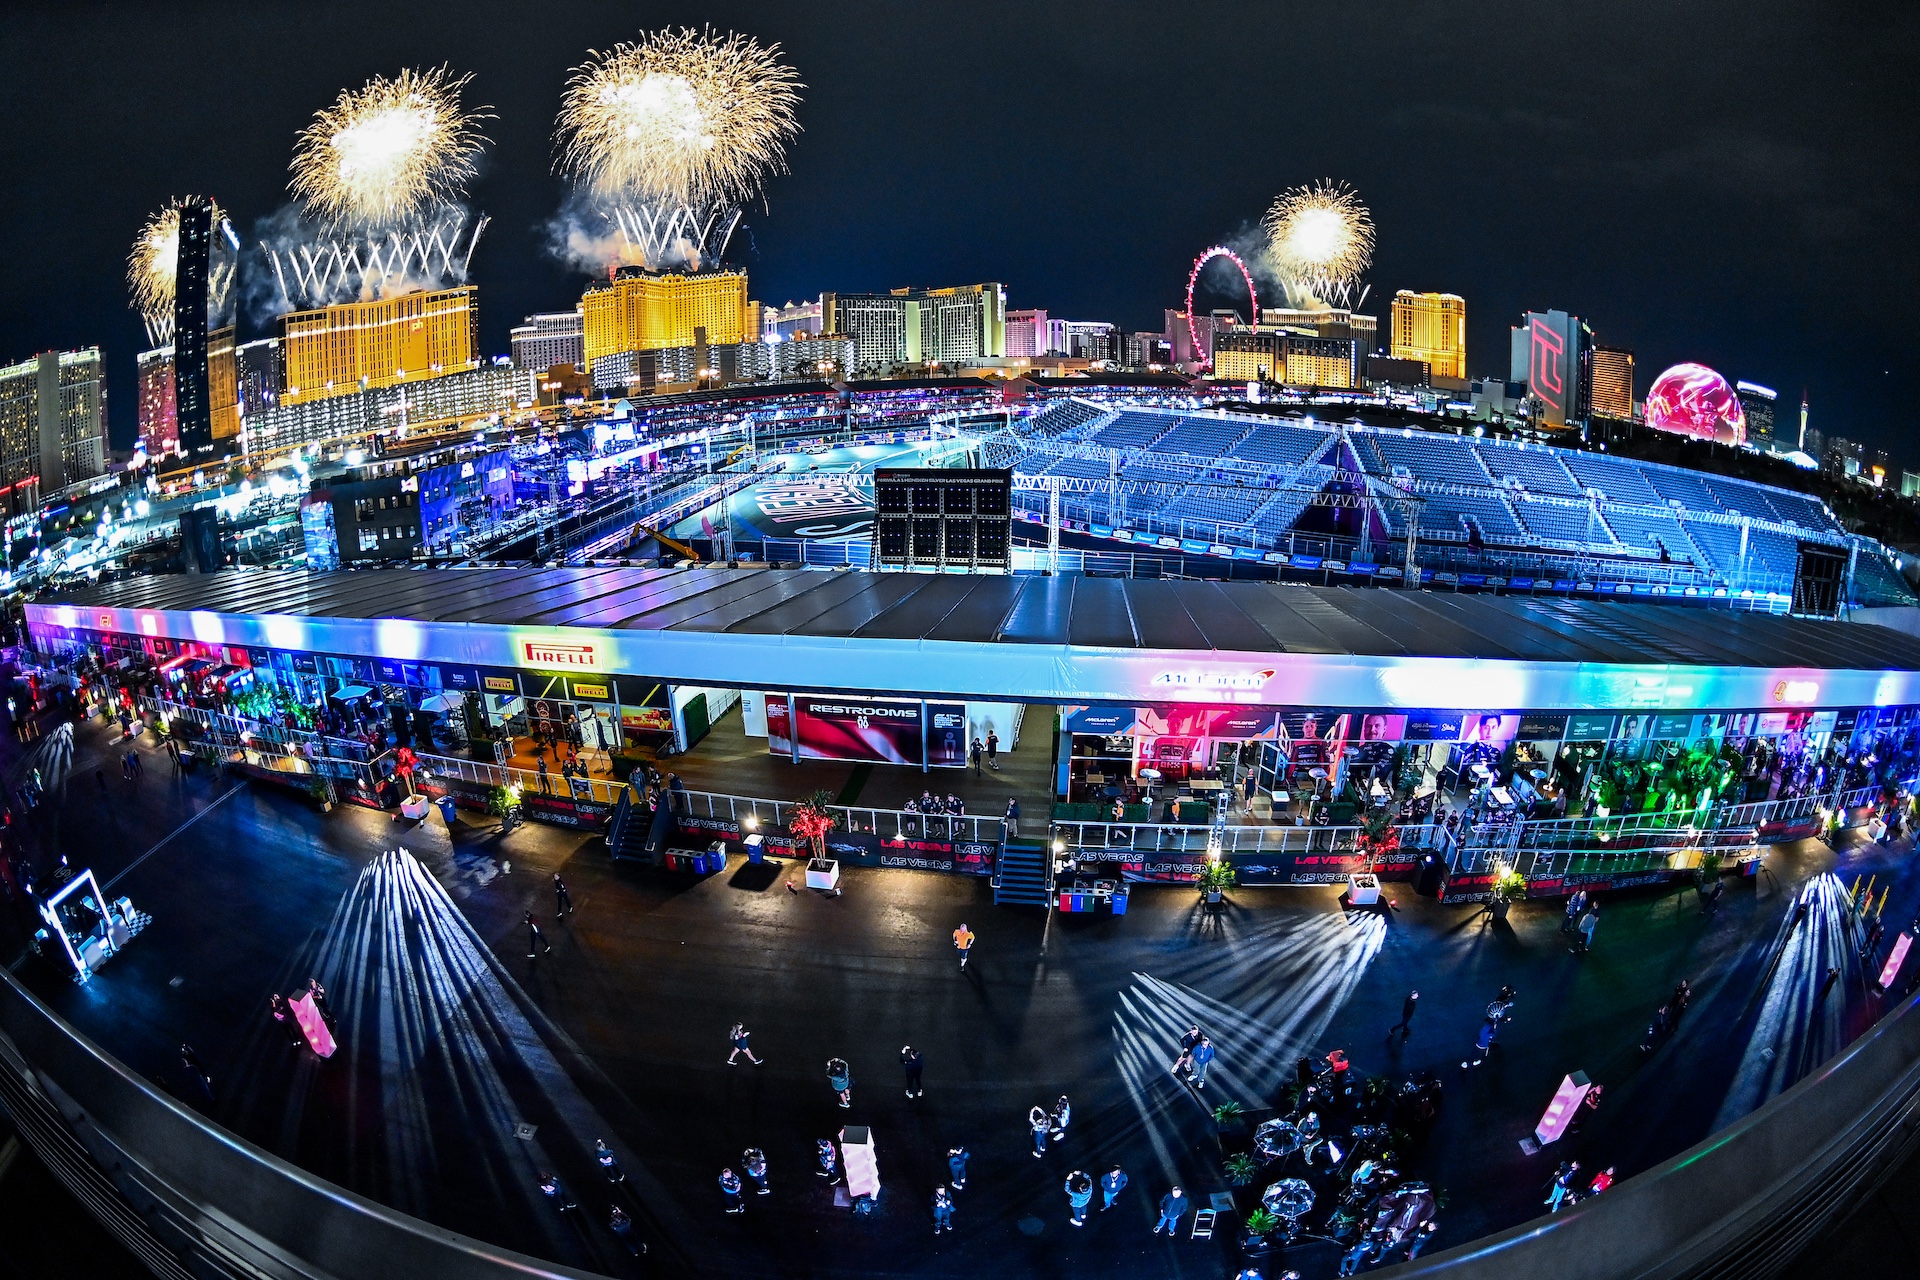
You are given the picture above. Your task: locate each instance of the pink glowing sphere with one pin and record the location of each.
(1693, 400)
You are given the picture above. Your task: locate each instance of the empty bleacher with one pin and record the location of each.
(1798, 508)
(1620, 481)
(1562, 522)
(1644, 531)
(1539, 470)
(1719, 543)
(1443, 513)
(1132, 429)
(1685, 487)
(1201, 437)
(1280, 445)
(1445, 459)
(1061, 417)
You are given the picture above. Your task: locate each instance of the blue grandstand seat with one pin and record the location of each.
(1719, 543)
(1798, 508)
(1620, 481)
(1562, 522)
(1082, 468)
(1061, 417)
(1201, 437)
(1540, 470)
(1280, 444)
(1647, 530)
(1740, 498)
(1446, 459)
(1443, 512)
(1688, 488)
(1133, 429)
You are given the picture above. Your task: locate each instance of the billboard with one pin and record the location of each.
(874, 730)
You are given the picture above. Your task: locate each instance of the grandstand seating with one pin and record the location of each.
(1645, 531)
(1464, 483)
(1619, 481)
(1063, 416)
(1685, 487)
(1719, 543)
(1133, 429)
(1445, 459)
(1280, 444)
(1201, 437)
(1562, 522)
(1540, 470)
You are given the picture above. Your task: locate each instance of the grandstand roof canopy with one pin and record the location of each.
(1069, 638)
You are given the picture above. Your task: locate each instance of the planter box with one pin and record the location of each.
(823, 873)
(1363, 889)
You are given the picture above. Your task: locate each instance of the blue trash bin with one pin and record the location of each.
(446, 808)
(755, 853)
(1119, 904)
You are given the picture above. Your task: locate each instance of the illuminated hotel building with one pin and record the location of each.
(548, 339)
(353, 346)
(915, 326)
(1295, 358)
(641, 311)
(53, 424)
(1026, 334)
(159, 431)
(1611, 395)
(223, 385)
(1431, 327)
(1757, 402)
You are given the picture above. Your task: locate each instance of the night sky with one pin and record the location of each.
(1732, 183)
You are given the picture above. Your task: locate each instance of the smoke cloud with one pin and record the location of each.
(300, 265)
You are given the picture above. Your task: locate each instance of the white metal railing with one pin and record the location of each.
(530, 781)
(1154, 837)
(752, 814)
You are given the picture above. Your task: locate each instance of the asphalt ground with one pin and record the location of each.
(453, 1041)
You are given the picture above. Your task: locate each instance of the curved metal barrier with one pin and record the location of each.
(1744, 1202)
(194, 1202)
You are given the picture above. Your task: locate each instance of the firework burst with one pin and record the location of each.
(687, 117)
(1320, 238)
(155, 261)
(389, 152)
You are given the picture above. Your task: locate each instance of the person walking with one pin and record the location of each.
(609, 1167)
(1062, 1112)
(1183, 1064)
(1826, 987)
(1040, 1122)
(1575, 905)
(1489, 1029)
(562, 900)
(1408, 1008)
(739, 1036)
(911, 1062)
(840, 1080)
(975, 754)
(1079, 1188)
(1112, 1183)
(1601, 1181)
(1202, 1059)
(191, 1062)
(556, 1191)
(1172, 1206)
(942, 1210)
(289, 1026)
(963, 943)
(993, 751)
(537, 944)
(730, 1188)
(622, 1227)
(754, 1160)
(319, 994)
(829, 1162)
(957, 1167)
(1013, 817)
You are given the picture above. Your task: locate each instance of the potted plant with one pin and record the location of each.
(1240, 1168)
(1214, 879)
(322, 793)
(1509, 888)
(1261, 1224)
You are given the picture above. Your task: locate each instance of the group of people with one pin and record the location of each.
(619, 1221)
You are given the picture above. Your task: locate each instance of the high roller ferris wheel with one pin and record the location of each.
(1193, 277)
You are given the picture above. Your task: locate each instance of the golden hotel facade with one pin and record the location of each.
(352, 346)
